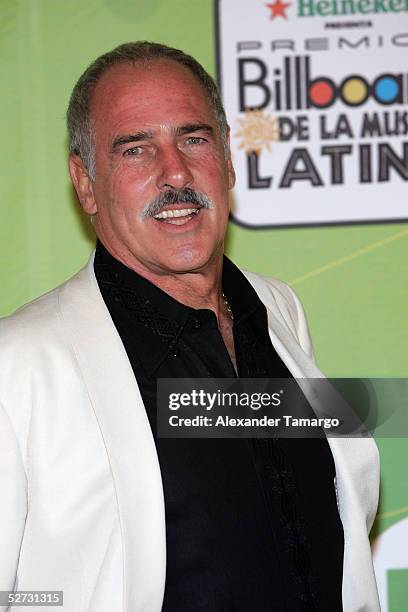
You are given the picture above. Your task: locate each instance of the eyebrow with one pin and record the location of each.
(188, 128)
(121, 140)
(194, 127)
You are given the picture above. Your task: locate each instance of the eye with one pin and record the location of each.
(133, 151)
(195, 140)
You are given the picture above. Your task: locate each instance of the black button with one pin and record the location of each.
(197, 324)
(173, 348)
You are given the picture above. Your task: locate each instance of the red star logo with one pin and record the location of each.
(278, 9)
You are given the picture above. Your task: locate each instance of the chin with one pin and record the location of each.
(189, 261)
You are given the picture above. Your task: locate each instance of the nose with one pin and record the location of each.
(174, 169)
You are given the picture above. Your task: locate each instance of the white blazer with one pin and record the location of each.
(82, 507)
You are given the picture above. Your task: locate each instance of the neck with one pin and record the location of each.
(201, 288)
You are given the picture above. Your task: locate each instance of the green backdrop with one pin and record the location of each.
(351, 279)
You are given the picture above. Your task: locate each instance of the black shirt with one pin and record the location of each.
(251, 525)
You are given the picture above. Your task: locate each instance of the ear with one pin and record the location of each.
(83, 184)
(230, 167)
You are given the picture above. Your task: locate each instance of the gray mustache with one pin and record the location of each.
(176, 196)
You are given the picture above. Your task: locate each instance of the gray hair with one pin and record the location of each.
(81, 136)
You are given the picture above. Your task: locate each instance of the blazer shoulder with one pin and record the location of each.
(33, 336)
(35, 351)
(33, 320)
(283, 305)
(38, 318)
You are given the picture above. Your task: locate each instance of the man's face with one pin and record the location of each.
(155, 132)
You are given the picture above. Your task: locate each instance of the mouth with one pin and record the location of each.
(177, 216)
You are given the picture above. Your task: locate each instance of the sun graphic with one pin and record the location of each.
(257, 130)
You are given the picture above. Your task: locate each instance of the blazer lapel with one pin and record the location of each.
(119, 410)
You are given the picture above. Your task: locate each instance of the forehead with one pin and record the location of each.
(158, 92)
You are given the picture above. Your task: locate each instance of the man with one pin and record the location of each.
(93, 502)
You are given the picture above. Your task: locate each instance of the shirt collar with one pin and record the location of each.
(151, 318)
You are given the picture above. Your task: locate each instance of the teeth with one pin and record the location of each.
(182, 212)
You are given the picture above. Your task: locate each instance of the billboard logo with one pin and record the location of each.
(293, 88)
